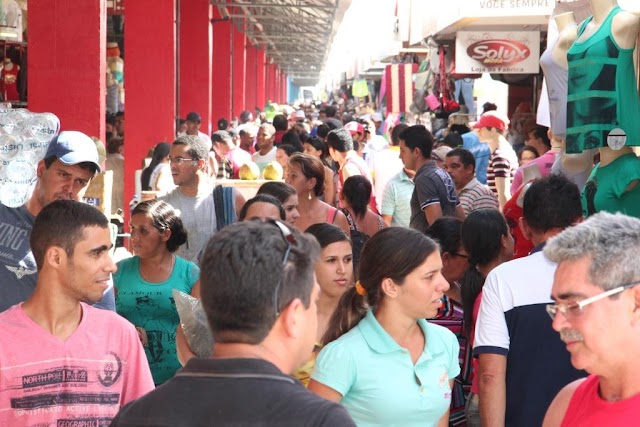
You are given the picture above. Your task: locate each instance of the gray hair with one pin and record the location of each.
(610, 241)
(198, 148)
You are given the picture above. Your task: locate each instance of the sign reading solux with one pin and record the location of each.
(502, 52)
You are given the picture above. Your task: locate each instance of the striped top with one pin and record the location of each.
(396, 199)
(502, 164)
(476, 196)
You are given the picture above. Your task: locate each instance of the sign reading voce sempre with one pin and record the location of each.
(502, 52)
(508, 7)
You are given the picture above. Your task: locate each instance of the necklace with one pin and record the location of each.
(142, 275)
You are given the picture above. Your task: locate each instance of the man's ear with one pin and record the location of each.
(292, 319)
(40, 169)
(55, 257)
(524, 228)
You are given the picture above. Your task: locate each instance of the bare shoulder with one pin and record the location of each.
(625, 28)
(558, 407)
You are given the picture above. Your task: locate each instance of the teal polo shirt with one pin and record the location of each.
(380, 384)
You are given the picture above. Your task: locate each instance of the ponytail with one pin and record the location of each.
(351, 309)
(471, 286)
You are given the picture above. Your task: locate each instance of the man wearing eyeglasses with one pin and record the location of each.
(597, 314)
(522, 362)
(193, 195)
(263, 321)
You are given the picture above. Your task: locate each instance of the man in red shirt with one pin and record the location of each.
(597, 313)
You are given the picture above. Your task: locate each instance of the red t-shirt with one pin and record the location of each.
(588, 409)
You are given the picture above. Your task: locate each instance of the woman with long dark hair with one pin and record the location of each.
(157, 176)
(446, 231)
(318, 148)
(487, 239)
(382, 360)
(334, 271)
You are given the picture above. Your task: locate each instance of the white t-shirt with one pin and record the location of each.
(263, 161)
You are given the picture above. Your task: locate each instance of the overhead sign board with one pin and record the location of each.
(508, 7)
(502, 52)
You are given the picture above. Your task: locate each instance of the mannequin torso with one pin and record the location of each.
(568, 29)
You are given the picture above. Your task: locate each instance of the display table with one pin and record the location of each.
(248, 188)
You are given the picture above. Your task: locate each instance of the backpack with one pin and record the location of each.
(224, 202)
(358, 239)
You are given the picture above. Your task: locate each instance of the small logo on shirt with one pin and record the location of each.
(111, 369)
(21, 271)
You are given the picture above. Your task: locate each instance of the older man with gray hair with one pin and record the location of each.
(597, 313)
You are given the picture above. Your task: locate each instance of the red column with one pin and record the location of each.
(239, 71)
(283, 93)
(272, 80)
(221, 69)
(150, 78)
(276, 84)
(195, 60)
(261, 94)
(251, 90)
(67, 62)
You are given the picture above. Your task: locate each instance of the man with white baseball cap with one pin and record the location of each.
(71, 161)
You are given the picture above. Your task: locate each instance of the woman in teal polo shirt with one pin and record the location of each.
(383, 361)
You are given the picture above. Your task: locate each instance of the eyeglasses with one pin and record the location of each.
(460, 255)
(180, 160)
(290, 239)
(575, 309)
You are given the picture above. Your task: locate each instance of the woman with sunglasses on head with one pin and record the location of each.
(488, 242)
(306, 175)
(446, 231)
(145, 282)
(334, 271)
(382, 360)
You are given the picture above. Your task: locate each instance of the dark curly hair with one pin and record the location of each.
(164, 217)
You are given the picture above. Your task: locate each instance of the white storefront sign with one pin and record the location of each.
(503, 52)
(508, 7)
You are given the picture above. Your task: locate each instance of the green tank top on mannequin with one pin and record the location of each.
(602, 92)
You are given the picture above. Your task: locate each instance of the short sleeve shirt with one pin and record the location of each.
(432, 186)
(380, 384)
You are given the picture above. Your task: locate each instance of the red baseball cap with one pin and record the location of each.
(490, 121)
(354, 128)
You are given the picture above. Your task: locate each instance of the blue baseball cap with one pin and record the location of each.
(72, 147)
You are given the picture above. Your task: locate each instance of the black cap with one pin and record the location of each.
(194, 117)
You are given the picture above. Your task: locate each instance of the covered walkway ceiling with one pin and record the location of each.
(296, 34)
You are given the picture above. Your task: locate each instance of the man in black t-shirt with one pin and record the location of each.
(434, 194)
(259, 291)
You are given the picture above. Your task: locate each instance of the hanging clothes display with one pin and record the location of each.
(399, 87)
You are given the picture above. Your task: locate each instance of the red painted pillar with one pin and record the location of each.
(150, 78)
(251, 90)
(221, 69)
(261, 94)
(277, 85)
(195, 60)
(239, 71)
(67, 62)
(283, 92)
(272, 79)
